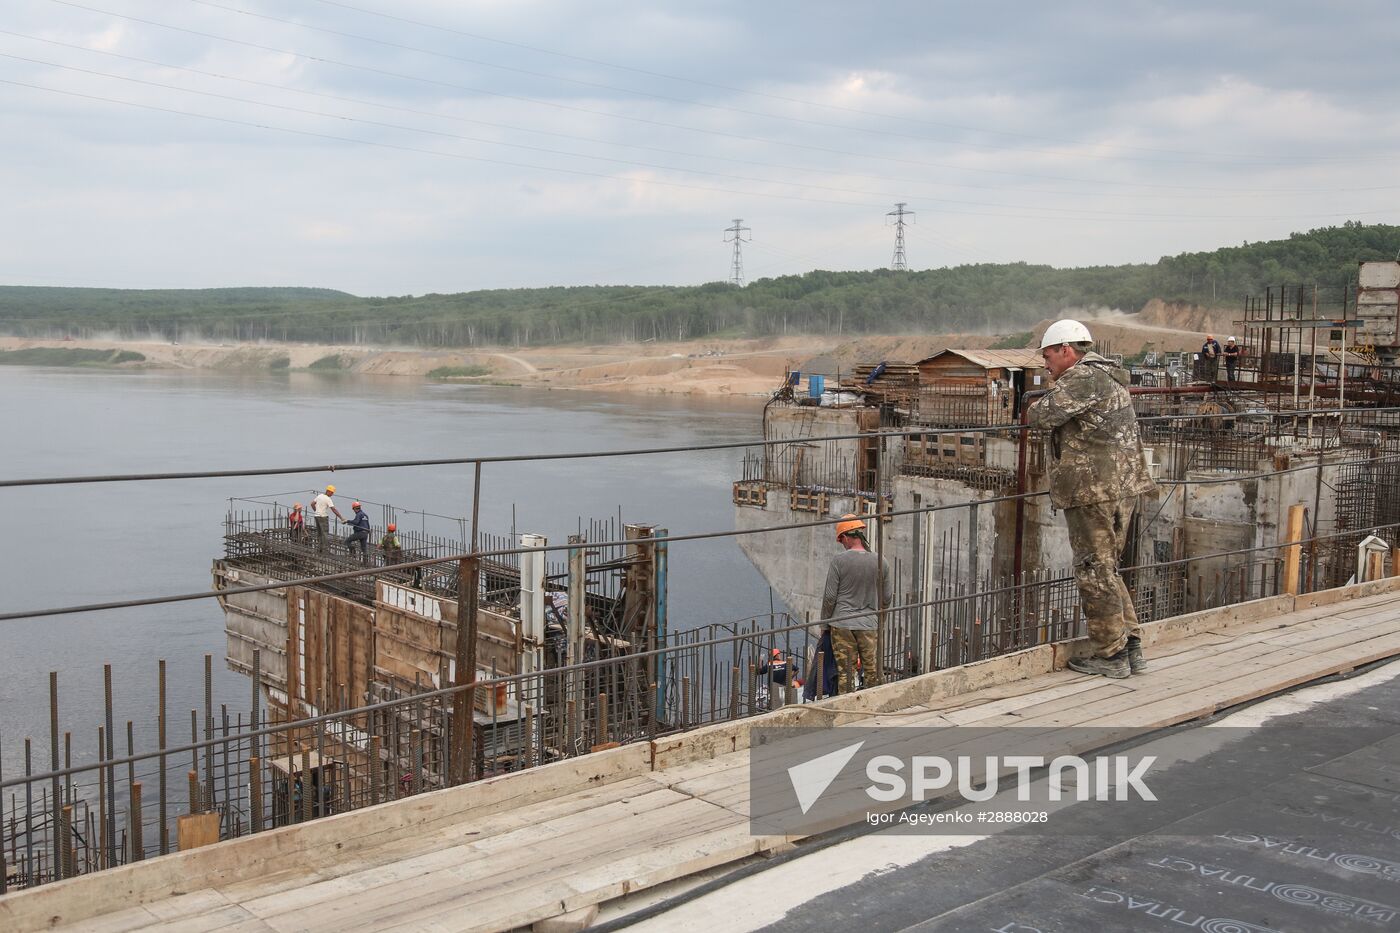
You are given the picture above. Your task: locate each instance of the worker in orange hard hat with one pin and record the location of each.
(849, 523)
(389, 545)
(360, 533)
(857, 586)
(296, 523)
(321, 508)
(780, 670)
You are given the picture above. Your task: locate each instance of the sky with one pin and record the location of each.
(416, 146)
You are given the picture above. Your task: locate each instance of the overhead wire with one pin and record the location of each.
(1088, 213)
(700, 82)
(1239, 159)
(517, 97)
(1047, 213)
(1208, 192)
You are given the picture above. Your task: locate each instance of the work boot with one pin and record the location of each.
(1136, 662)
(1115, 667)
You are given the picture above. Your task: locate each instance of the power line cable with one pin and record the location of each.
(1209, 192)
(433, 152)
(1233, 158)
(556, 105)
(1088, 213)
(1046, 213)
(604, 113)
(716, 85)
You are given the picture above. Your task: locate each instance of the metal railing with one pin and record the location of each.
(245, 776)
(241, 773)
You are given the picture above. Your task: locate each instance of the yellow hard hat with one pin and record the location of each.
(848, 524)
(330, 489)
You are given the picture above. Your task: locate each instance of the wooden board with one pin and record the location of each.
(197, 829)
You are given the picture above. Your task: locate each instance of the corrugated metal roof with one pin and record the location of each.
(994, 359)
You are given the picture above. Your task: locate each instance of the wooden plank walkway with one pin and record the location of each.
(681, 807)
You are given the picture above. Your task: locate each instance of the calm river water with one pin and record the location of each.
(66, 545)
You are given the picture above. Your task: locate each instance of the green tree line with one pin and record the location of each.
(995, 297)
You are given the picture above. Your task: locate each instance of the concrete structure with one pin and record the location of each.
(1229, 472)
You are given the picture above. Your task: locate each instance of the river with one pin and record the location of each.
(78, 544)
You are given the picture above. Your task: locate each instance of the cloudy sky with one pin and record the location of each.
(415, 146)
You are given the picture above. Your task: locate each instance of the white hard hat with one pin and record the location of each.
(1065, 332)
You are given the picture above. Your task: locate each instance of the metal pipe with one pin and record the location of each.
(111, 777)
(160, 731)
(56, 801)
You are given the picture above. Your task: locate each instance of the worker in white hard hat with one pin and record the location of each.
(1232, 354)
(1097, 471)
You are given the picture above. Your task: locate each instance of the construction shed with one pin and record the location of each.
(972, 388)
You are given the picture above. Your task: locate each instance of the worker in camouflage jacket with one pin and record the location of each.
(1097, 471)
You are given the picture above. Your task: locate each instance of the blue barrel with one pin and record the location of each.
(816, 385)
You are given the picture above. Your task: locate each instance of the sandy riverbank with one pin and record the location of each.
(704, 367)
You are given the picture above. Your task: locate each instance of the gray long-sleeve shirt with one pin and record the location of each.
(850, 588)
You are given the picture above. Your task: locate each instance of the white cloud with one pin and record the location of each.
(1072, 136)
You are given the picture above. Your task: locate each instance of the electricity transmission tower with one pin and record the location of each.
(736, 268)
(899, 264)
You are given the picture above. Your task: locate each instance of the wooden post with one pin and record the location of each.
(464, 701)
(1293, 553)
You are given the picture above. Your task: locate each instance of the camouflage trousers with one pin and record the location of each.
(848, 645)
(1097, 533)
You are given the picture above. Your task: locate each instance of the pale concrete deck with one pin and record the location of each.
(517, 849)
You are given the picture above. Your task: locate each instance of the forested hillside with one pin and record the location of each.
(993, 297)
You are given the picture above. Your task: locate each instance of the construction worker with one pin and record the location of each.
(389, 545)
(296, 523)
(360, 534)
(1210, 358)
(1097, 471)
(321, 508)
(1232, 358)
(777, 667)
(849, 603)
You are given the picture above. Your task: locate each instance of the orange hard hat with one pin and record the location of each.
(296, 507)
(848, 524)
(393, 527)
(355, 505)
(330, 489)
(777, 652)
